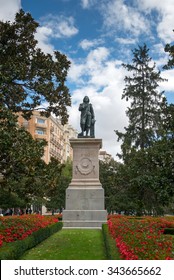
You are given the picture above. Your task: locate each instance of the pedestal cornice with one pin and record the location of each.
(86, 140)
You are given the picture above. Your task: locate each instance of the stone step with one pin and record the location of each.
(83, 224)
(84, 215)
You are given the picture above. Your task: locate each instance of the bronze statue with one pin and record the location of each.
(87, 119)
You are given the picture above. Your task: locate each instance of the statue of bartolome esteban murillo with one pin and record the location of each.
(87, 119)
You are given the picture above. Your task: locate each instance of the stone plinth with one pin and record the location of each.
(85, 196)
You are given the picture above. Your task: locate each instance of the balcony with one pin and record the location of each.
(41, 125)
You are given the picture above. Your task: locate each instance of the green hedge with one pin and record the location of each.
(169, 231)
(110, 245)
(14, 250)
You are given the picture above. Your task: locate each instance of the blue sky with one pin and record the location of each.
(97, 36)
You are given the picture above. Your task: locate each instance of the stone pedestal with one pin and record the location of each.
(85, 196)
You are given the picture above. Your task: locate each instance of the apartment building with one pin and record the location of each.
(69, 133)
(104, 156)
(56, 135)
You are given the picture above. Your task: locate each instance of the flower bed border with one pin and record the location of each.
(133, 238)
(111, 250)
(14, 250)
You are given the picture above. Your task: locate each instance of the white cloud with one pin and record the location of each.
(165, 27)
(166, 12)
(8, 9)
(97, 57)
(86, 4)
(94, 61)
(167, 85)
(75, 72)
(42, 36)
(88, 44)
(126, 41)
(54, 27)
(60, 25)
(131, 17)
(119, 16)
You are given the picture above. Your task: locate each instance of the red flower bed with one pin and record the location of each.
(14, 228)
(142, 239)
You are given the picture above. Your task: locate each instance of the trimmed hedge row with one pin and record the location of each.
(169, 231)
(110, 244)
(14, 250)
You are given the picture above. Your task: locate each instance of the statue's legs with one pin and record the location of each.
(83, 129)
(92, 132)
(88, 123)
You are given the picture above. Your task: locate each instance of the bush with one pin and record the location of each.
(110, 245)
(14, 250)
(169, 231)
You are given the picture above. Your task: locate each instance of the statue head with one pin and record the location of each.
(86, 99)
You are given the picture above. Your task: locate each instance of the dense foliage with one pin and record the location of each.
(170, 50)
(29, 77)
(147, 144)
(20, 162)
(56, 193)
(145, 110)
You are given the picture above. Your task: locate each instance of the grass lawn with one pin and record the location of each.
(70, 244)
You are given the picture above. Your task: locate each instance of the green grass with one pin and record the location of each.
(70, 244)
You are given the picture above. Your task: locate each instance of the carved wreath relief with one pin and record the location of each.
(85, 166)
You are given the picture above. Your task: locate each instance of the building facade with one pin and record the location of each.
(56, 135)
(104, 156)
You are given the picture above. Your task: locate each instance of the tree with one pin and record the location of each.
(60, 180)
(108, 170)
(114, 183)
(20, 162)
(28, 77)
(147, 148)
(168, 123)
(170, 49)
(149, 178)
(28, 80)
(144, 112)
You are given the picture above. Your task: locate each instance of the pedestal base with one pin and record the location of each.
(85, 196)
(84, 218)
(84, 208)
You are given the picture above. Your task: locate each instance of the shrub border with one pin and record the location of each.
(14, 250)
(112, 252)
(169, 231)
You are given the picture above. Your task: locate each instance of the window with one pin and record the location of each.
(41, 121)
(40, 131)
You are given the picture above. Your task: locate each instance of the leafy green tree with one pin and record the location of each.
(108, 170)
(28, 77)
(20, 161)
(113, 181)
(168, 123)
(60, 181)
(169, 49)
(144, 113)
(147, 148)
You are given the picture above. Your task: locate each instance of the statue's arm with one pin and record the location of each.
(92, 112)
(81, 107)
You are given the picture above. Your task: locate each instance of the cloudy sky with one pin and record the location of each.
(98, 36)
